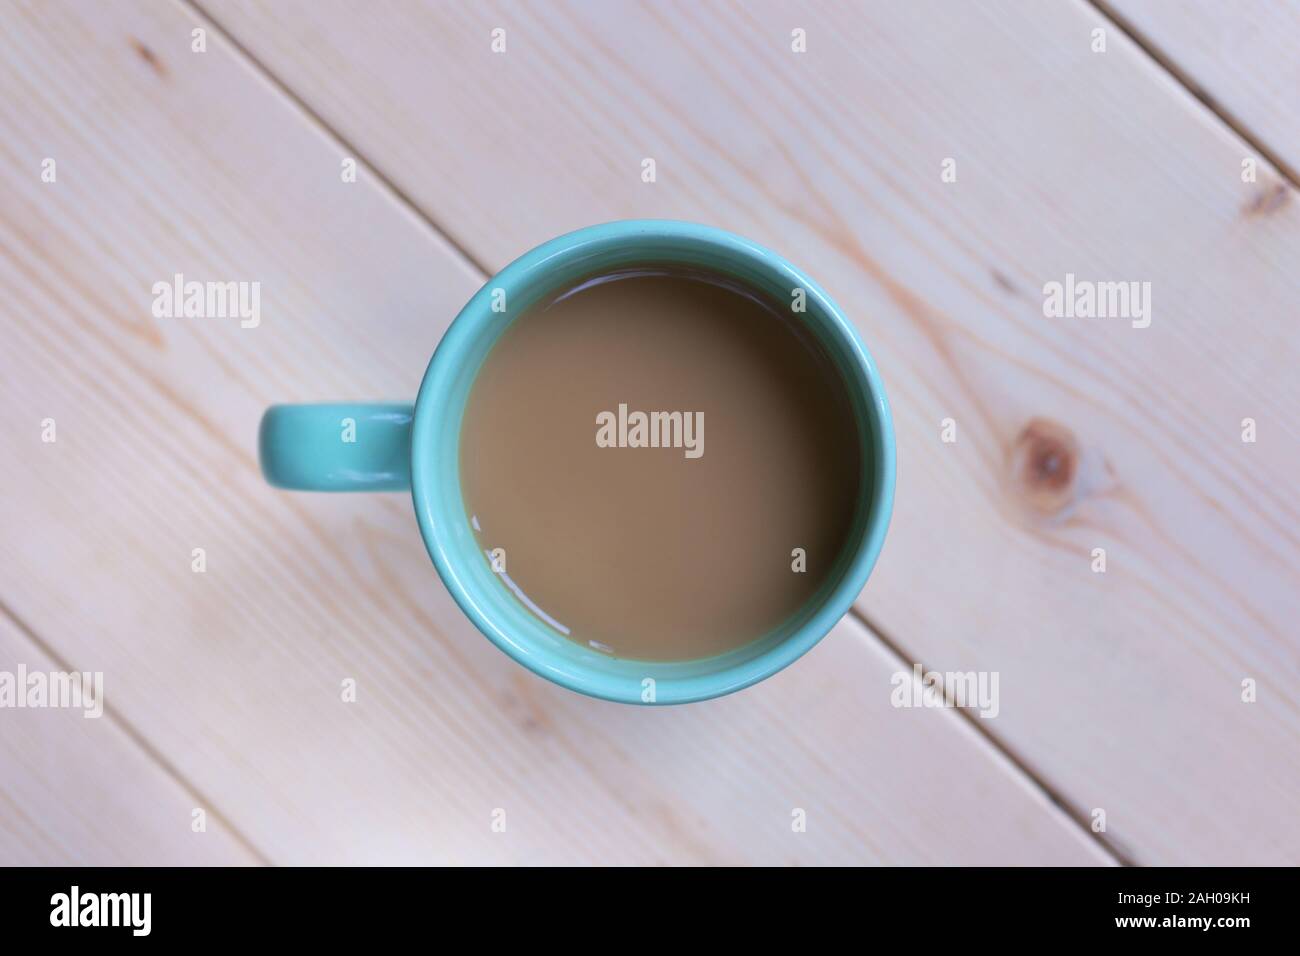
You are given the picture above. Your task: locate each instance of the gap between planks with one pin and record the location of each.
(1193, 88)
(200, 13)
(140, 741)
(251, 61)
(1067, 808)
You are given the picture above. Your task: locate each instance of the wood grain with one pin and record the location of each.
(1123, 690)
(78, 790)
(171, 162)
(1243, 58)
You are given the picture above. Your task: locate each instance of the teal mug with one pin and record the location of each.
(399, 447)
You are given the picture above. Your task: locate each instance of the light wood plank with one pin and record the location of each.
(1122, 689)
(1243, 56)
(76, 790)
(171, 161)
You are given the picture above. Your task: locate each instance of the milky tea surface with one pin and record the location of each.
(647, 450)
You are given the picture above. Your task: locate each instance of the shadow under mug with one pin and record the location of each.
(396, 447)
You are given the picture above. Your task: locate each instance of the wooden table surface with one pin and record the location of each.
(1122, 734)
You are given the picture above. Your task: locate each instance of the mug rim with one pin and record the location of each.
(477, 317)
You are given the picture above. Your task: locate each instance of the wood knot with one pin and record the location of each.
(1268, 201)
(524, 707)
(1045, 465)
(149, 57)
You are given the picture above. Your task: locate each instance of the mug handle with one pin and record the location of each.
(343, 446)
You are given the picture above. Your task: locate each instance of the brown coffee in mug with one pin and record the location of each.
(662, 464)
